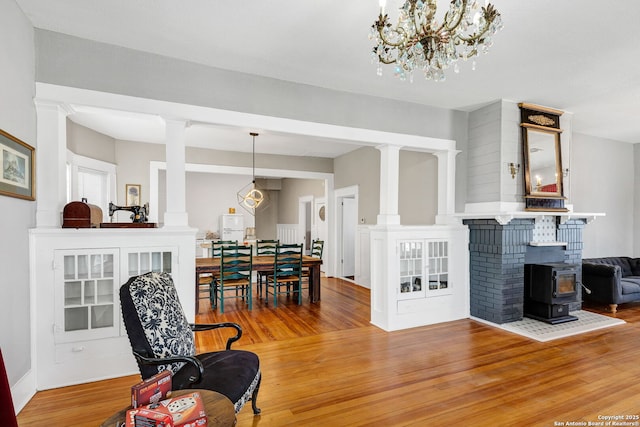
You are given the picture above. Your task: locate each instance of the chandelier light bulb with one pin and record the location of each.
(420, 42)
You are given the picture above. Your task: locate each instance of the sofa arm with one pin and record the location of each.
(604, 282)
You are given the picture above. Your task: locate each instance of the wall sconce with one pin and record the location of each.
(514, 168)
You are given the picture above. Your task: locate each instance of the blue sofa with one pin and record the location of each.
(612, 280)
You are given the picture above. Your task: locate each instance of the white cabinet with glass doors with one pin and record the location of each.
(423, 268)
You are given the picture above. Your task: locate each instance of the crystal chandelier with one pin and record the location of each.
(250, 197)
(418, 41)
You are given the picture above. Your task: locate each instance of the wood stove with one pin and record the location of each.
(548, 290)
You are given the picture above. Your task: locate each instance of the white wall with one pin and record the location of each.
(602, 174)
(636, 204)
(17, 117)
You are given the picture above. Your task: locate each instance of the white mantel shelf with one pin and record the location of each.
(548, 243)
(504, 218)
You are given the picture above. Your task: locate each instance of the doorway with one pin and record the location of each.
(305, 207)
(346, 227)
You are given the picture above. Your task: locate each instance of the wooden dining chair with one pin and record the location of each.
(236, 266)
(286, 277)
(317, 247)
(264, 247)
(205, 281)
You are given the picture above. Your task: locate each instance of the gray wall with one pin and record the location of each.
(17, 117)
(362, 168)
(89, 143)
(418, 188)
(292, 189)
(70, 61)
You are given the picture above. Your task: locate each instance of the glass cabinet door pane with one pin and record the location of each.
(107, 265)
(83, 267)
(72, 293)
(101, 316)
(69, 267)
(96, 266)
(133, 264)
(76, 319)
(166, 262)
(105, 291)
(156, 262)
(89, 292)
(145, 265)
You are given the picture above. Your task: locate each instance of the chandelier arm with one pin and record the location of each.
(490, 14)
(386, 61)
(476, 36)
(452, 28)
(380, 24)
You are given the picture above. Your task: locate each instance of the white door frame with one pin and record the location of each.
(339, 194)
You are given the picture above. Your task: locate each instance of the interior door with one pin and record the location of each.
(348, 240)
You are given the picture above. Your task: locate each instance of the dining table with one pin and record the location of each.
(263, 263)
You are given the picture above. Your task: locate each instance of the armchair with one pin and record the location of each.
(161, 338)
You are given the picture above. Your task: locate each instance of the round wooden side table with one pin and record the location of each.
(220, 411)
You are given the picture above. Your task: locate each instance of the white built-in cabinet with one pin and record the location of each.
(419, 275)
(76, 277)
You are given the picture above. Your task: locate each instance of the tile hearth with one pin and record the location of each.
(543, 332)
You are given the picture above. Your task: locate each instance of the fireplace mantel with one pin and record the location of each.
(503, 218)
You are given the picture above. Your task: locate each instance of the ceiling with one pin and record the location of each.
(580, 56)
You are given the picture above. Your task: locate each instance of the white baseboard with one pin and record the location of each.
(23, 390)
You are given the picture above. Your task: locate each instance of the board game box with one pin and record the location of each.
(186, 410)
(151, 390)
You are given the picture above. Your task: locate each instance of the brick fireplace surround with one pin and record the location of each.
(498, 253)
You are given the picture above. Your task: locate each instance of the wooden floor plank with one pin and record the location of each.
(325, 364)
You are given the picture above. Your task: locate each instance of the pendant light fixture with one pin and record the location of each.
(250, 197)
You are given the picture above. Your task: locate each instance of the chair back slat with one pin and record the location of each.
(317, 246)
(266, 247)
(217, 245)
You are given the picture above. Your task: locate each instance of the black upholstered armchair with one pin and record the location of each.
(161, 338)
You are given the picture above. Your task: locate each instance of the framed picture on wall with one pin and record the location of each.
(17, 178)
(133, 194)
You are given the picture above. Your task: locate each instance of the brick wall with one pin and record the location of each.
(497, 257)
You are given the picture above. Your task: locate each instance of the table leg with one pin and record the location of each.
(314, 283)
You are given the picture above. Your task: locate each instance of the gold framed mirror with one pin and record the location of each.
(543, 168)
(542, 158)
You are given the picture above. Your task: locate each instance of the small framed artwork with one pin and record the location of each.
(17, 178)
(133, 194)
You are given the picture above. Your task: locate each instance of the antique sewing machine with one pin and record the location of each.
(139, 214)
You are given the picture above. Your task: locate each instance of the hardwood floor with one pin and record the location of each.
(324, 364)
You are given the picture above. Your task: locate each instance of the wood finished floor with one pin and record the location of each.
(325, 365)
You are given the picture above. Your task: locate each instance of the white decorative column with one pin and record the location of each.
(176, 214)
(446, 186)
(389, 179)
(51, 155)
